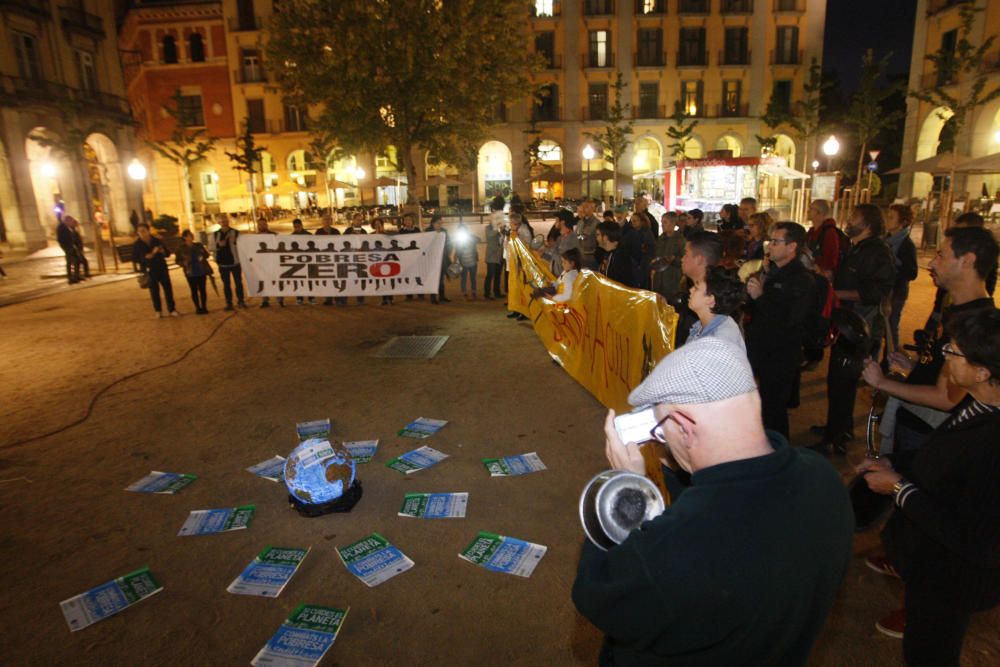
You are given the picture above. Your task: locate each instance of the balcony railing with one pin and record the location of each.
(692, 59)
(935, 6)
(650, 8)
(786, 58)
(26, 7)
(598, 7)
(786, 6)
(726, 111)
(16, 90)
(694, 6)
(244, 24)
(649, 112)
(734, 59)
(594, 113)
(75, 19)
(736, 7)
(553, 61)
(649, 59)
(593, 61)
(251, 75)
(546, 114)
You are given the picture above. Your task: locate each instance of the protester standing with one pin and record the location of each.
(729, 218)
(827, 243)
(586, 232)
(758, 227)
(494, 258)
(702, 250)
(748, 206)
(647, 220)
(81, 255)
(193, 258)
(743, 567)
(669, 248)
(779, 310)
(863, 283)
(466, 255)
(327, 229)
(437, 225)
(227, 256)
(67, 241)
(943, 538)
(898, 221)
(299, 230)
(717, 301)
(565, 240)
(152, 254)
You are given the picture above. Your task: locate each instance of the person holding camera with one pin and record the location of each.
(152, 255)
(741, 568)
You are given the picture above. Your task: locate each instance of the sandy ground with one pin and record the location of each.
(68, 525)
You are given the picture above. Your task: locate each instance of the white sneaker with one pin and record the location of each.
(174, 313)
(159, 315)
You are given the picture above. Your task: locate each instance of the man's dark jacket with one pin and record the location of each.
(779, 315)
(741, 569)
(870, 268)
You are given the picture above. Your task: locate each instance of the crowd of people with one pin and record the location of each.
(759, 300)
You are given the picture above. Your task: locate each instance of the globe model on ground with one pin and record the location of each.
(319, 472)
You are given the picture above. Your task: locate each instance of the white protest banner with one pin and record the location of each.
(347, 265)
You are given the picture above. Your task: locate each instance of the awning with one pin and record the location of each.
(782, 171)
(987, 164)
(936, 164)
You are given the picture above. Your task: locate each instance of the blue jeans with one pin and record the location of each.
(234, 273)
(470, 272)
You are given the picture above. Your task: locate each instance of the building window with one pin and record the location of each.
(649, 97)
(543, 8)
(209, 187)
(787, 5)
(26, 52)
(782, 95)
(598, 7)
(255, 116)
(691, 98)
(295, 119)
(737, 6)
(692, 51)
(246, 20)
(788, 46)
(85, 68)
(644, 7)
(169, 49)
(196, 47)
(731, 93)
(190, 112)
(547, 103)
(737, 43)
(597, 97)
(650, 44)
(545, 46)
(253, 71)
(599, 54)
(693, 7)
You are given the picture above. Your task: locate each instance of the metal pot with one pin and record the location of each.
(616, 502)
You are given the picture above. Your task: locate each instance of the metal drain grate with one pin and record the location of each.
(412, 347)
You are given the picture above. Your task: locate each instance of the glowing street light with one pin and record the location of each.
(48, 170)
(830, 148)
(815, 165)
(359, 173)
(588, 155)
(136, 171)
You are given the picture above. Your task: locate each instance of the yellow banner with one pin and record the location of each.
(607, 336)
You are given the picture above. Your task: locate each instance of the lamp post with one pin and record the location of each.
(830, 148)
(588, 155)
(137, 172)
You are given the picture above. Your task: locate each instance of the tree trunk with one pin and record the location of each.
(412, 186)
(186, 197)
(253, 201)
(857, 183)
(89, 203)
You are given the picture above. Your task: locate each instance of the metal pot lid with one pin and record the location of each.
(624, 502)
(588, 514)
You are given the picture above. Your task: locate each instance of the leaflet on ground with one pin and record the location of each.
(161, 482)
(206, 522)
(319, 428)
(109, 599)
(272, 469)
(504, 554)
(362, 451)
(268, 573)
(313, 451)
(434, 505)
(418, 459)
(303, 639)
(522, 464)
(423, 427)
(374, 560)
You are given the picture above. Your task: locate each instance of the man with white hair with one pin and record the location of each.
(742, 568)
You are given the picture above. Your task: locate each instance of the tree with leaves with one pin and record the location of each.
(614, 137)
(325, 149)
(681, 131)
(71, 145)
(186, 147)
(246, 159)
(423, 74)
(866, 113)
(533, 151)
(961, 88)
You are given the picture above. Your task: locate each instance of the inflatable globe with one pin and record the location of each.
(318, 472)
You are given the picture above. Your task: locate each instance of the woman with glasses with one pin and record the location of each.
(943, 539)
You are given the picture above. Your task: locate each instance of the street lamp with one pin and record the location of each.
(815, 165)
(137, 172)
(48, 170)
(830, 148)
(588, 155)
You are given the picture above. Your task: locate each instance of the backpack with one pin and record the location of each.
(844, 243)
(819, 317)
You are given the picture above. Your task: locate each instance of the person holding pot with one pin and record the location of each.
(152, 255)
(733, 572)
(193, 258)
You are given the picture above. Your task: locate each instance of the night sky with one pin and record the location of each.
(852, 26)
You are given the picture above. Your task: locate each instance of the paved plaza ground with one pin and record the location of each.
(233, 401)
